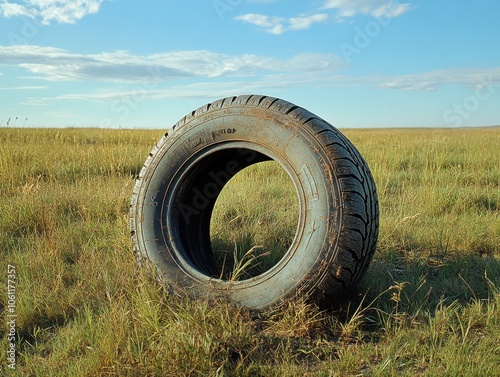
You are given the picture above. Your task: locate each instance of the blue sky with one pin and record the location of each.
(356, 63)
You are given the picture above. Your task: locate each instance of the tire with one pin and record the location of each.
(176, 191)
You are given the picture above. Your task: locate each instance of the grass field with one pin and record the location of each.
(429, 304)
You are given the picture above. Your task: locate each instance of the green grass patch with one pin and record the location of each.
(428, 305)
(254, 221)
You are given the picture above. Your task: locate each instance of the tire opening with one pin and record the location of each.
(254, 221)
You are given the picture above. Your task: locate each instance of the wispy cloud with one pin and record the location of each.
(305, 22)
(422, 81)
(23, 88)
(280, 25)
(273, 25)
(204, 89)
(425, 81)
(13, 9)
(55, 64)
(344, 8)
(62, 11)
(207, 74)
(432, 80)
(374, 8)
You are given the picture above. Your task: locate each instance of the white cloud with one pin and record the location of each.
(265, 83)
(280, 25)
(55, 64)
(423, 81)
(13, 10)
(429, 81)
(375, 8)
(23, 88)
(207, 74)
(204, 89)
(62, 11)
(273, 25)
(300, 23)
(345, 8)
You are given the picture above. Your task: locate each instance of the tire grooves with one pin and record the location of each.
(272, 103)
(355, 193)
(352, 252)
(364, 210)
(357, 216)
(310, 119)
(291, 109)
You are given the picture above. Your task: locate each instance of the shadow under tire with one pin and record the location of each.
(177, 188)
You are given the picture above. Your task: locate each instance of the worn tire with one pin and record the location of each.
(176, 191)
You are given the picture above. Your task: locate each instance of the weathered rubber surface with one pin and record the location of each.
(177, 188)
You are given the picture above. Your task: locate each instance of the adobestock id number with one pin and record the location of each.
(11, 288)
